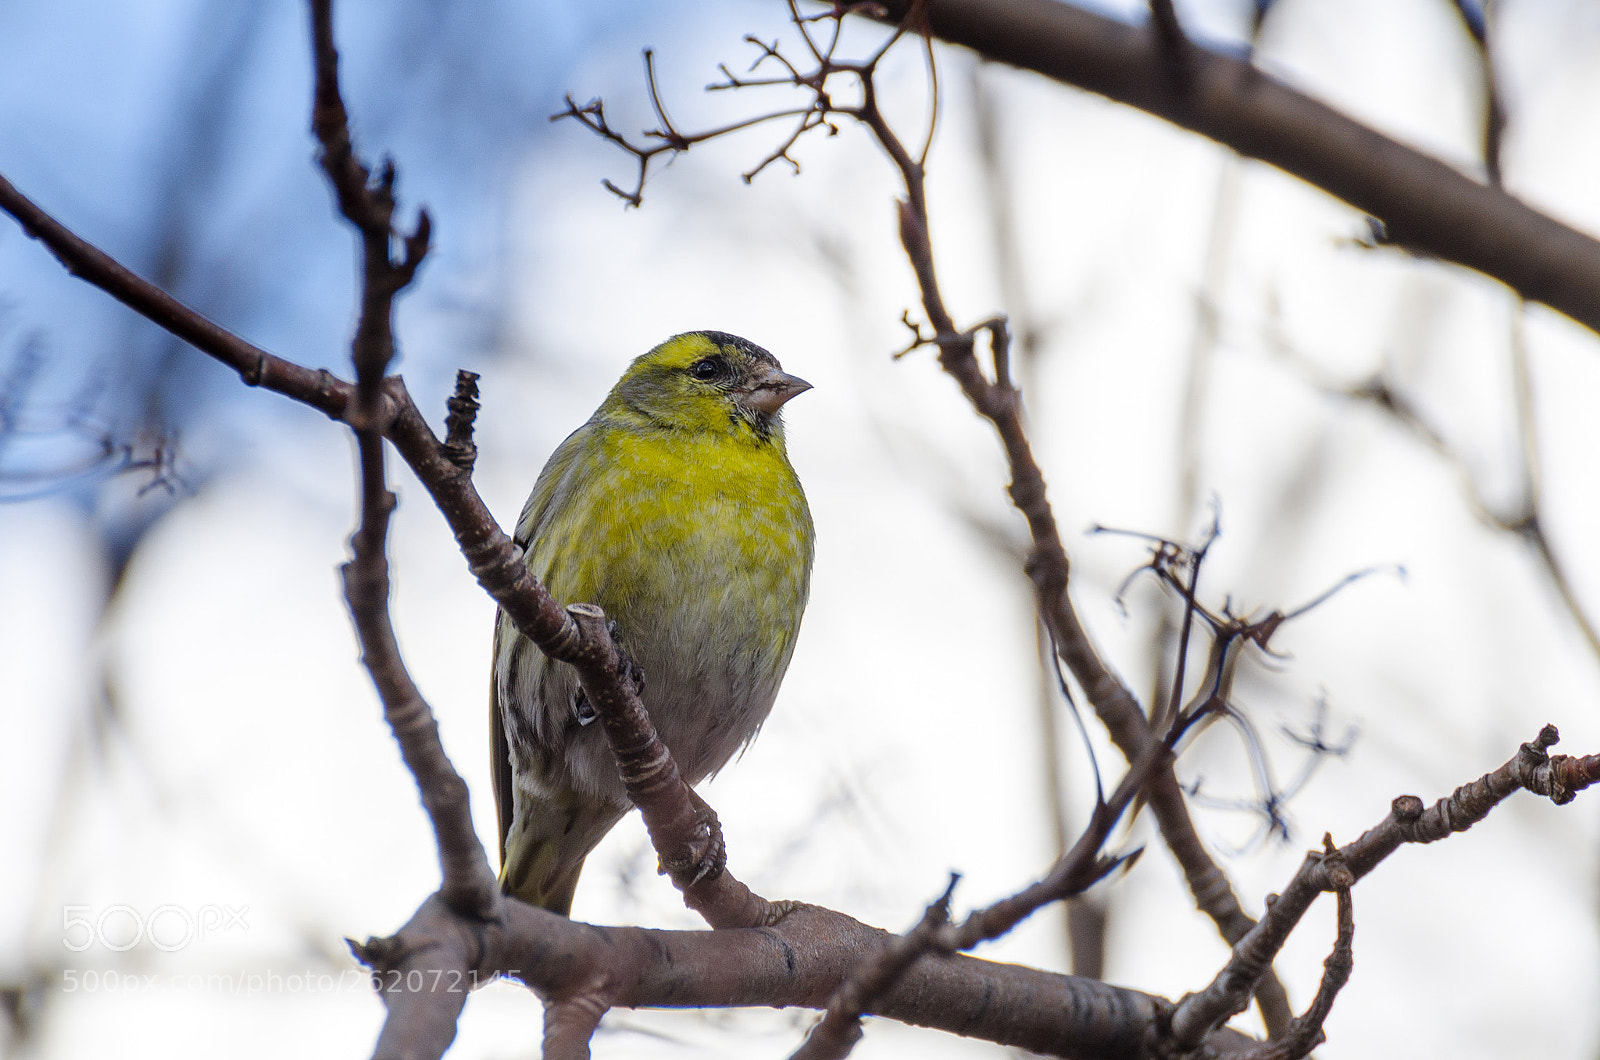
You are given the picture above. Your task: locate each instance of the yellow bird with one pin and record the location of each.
(676, 510)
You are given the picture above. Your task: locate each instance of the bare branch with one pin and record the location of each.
(1531, 769)
(255, 366)
(423, 986)
(1174, 44)
(468, 883)
(798, 962)
(1424, 204)
(492, 557)
(369, 206)
(803, 958)
(840, 1029)
(1047, 566)
(569, 1023)
(1306, 1033)
(798, 955)
(1075, 872)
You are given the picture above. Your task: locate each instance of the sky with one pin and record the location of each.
(191, 755)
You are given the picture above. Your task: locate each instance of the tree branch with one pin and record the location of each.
(316, 388)
(1305, 1032)
(798, 962)
(377, 408)
(801, 960)
(493, 558)
(799, 955)
(468, 885)
(1424, 204)
(1047, 566)
(1530, 769)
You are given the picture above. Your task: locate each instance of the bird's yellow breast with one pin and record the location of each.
(677, 527)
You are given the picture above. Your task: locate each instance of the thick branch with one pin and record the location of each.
(803, 958)
(423, 987)
(1425, 205)
(797, 962)
(840, 1029)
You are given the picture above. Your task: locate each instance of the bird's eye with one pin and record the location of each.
(708, 368)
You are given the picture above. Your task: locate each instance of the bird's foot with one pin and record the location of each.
(705, 856)
(632, 672)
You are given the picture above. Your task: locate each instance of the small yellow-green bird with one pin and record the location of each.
(676, 510)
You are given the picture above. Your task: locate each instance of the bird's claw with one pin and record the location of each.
(704, 857)
(632, 672)
(713, 860)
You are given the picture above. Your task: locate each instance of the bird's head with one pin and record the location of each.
(707, 381)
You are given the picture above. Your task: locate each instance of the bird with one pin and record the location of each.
(675, 509)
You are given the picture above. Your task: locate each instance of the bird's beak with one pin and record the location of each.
(771, 390)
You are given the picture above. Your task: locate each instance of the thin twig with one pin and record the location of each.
(1532, 769)
(1305, 1033)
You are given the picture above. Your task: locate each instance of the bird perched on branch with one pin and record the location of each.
(674, 509)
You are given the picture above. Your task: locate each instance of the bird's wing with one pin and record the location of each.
(551, 482)
(500, 754)
(554, 484)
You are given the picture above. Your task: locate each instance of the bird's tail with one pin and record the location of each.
(546, 845)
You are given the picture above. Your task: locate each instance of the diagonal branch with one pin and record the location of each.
(1306, 1033)
(494, 560)
(445, 471)
(1531, 769)
(1424, 204)
(1047, 566)
(999, 402)
(316, 388)
(1074, 872)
